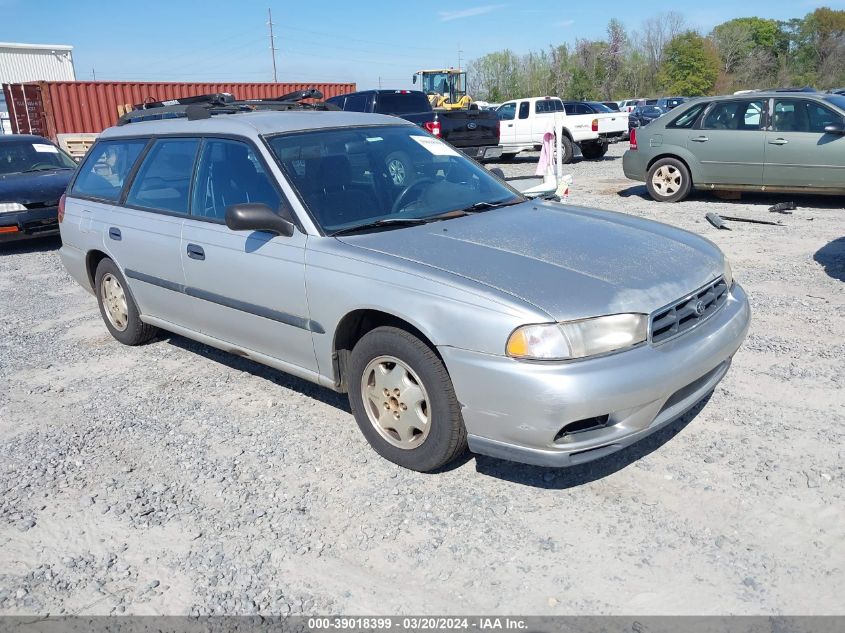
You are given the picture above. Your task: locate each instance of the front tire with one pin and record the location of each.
(403, 400)
(117, 307)
(668, 180)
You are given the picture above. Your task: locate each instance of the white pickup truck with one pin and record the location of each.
(523, 122)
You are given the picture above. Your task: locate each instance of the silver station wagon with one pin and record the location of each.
(453, 311)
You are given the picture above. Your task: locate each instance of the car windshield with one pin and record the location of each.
(837, 100)
(352, 177)
(32, 155)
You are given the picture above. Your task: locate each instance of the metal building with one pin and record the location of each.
(32, 62)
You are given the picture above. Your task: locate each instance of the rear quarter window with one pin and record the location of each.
(687, 118)
(106, 167)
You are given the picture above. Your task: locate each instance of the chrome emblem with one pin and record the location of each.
(472, 125)
(700, 308)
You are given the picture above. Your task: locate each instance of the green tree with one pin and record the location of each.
(690, 66)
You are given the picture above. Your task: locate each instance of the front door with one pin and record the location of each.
(798, 151)
(507, 130)
(251, 283)
(730, 143)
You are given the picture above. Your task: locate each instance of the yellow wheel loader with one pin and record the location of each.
(446, 88)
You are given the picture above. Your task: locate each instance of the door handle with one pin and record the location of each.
(114, 233)
(700, 139)
(510, 125)
(196, 252)
(778, 141)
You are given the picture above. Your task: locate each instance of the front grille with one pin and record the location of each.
(689, 312)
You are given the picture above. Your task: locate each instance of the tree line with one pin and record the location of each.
(667, 57)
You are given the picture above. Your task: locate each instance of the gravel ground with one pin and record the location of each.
(174, 479)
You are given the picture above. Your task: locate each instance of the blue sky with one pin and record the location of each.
(328, 40)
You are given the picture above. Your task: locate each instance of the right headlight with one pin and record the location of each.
(578, 339)
(8, 207)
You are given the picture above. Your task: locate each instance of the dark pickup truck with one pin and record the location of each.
(474, 132)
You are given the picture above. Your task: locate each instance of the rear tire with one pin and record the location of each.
(593, 151)
(117, 307)
(403, 400)
(668, 180)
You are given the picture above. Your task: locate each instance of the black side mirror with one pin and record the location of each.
(497, 171)
(251, 216)
(835, 128)
(414, 79)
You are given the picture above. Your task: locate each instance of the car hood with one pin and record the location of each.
(35, 187)
(570, 262)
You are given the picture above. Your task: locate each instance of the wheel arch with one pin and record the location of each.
(355, 325)
(92, 260)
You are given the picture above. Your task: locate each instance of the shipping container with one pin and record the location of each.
(50, 108)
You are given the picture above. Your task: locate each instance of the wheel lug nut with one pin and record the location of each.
(404, 406)
(386, 393)
(395, 392)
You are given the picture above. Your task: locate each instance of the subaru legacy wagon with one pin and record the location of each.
(453, 311)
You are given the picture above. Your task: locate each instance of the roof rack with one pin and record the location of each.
(206, 106)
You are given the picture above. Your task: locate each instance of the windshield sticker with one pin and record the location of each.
(43, 148)
(438, 148)
(374, 139)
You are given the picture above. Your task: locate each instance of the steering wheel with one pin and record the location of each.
(399, 204)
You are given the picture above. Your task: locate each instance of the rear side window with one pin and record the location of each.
(734, 115)
(106, 167)
(356, 103)
(688, 118)
(230, 173)
(547, 106)
(163, 182)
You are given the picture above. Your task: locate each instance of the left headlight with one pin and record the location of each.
(727, 273)
(7, 207)
(578, 339)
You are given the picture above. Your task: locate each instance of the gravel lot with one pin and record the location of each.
(174, 479)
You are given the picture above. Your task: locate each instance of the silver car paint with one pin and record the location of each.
(465, 284)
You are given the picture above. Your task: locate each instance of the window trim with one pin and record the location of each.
(129, 175)
(764, 115)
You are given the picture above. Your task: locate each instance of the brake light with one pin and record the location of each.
(634, 138)
(432, 127)
(61, 208)
(595, 125)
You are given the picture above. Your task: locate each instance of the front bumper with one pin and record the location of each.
(19, 225)
(516, 410)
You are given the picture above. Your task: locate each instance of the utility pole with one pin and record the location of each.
(379, 82)
(460, 52)
(93, 73)
(272, 44)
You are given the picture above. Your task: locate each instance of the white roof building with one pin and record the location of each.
(35, 62)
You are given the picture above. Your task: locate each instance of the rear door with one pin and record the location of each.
(798, 151)
(729, 143)
(251, 284)
(143, 234)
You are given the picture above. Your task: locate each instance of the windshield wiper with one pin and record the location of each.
(478, 207)
(384, 222)
(26, 171)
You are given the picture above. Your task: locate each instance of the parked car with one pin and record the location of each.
(452, 311)
(776, 141)
(628, 105)
(525, 121)
(669, 103)
(612, 105)
(613, 126)
(475, 132)
(34, 173)
(643, 115)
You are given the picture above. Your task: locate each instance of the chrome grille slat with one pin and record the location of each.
(683, 315)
